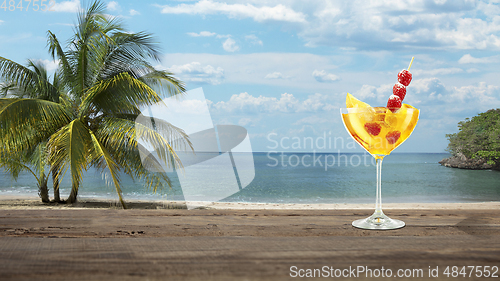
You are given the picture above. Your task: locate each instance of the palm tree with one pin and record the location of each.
(33, 160)
(106, 76)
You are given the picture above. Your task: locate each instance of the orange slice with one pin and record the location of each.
(352, 102)
(407, 106)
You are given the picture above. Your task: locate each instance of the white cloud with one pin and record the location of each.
(427, 91)
(320, 102)
(437, 100)
(245, 121)
(490, 8)
(66, 6)
(254, 39)
(375, 96)
(19, 37)
(63, 24)
(470, 59)
(133, 12)
(286, 103)
(311, 120)
(202, 34)
(259, 14)
(441, 106)
(113, 6)
(438, 71)
(396, 24)
(358, 24)
(366, 92)
(230, 45)
(1, 21)
(477, 96)
(440, 101)
(276, 75)
(421, 93)
(51, 65)
(219, 36)
(245, 102)
(323, 76)
(198, 73)
(253, 68)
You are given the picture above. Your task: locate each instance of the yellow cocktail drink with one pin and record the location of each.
(378, 129)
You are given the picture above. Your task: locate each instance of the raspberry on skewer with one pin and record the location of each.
(404, 76)
(399, 90)
(394, 103)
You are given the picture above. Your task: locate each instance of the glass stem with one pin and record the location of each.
(378, 202)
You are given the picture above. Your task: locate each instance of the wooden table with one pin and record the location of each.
(109, 244)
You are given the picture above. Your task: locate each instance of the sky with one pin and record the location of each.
(282, 69)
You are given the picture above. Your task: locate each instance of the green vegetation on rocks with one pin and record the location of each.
(478, 140)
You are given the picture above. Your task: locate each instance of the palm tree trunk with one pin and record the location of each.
(73, 195)
(43, 190)
(55, 183)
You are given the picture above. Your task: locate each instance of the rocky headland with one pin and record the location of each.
(462, 162)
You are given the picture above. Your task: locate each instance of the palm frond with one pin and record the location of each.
(33, 160)
(149, 163)
(24, 79)
(136, 45)
(110, 24)
(38, 157)
(8, 90)
(115, 61)
(104, 160)
(88, 21)
(165, 143)
(123, 134)
(69, 149)
(15, 163)
(164, 83)
(15, 73)
(120, 137)
(26, 122)
(39, 68)
(120, 94)
(91, 37)
(56, 51)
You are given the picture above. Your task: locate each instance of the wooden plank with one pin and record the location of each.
(107, 244)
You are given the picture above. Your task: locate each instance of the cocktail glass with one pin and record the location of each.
(379, 130)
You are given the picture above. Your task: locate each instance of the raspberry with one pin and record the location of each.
(372, 128)
(399, 90)
(394, 103)
(404, 77)
(393, 136)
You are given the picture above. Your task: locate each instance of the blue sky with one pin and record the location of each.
(282, 69)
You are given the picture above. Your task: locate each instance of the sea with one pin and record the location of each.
(304, 178)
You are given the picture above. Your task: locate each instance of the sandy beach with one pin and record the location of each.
(96, 240)
(15, 202)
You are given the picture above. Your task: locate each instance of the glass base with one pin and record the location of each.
(378, 221)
